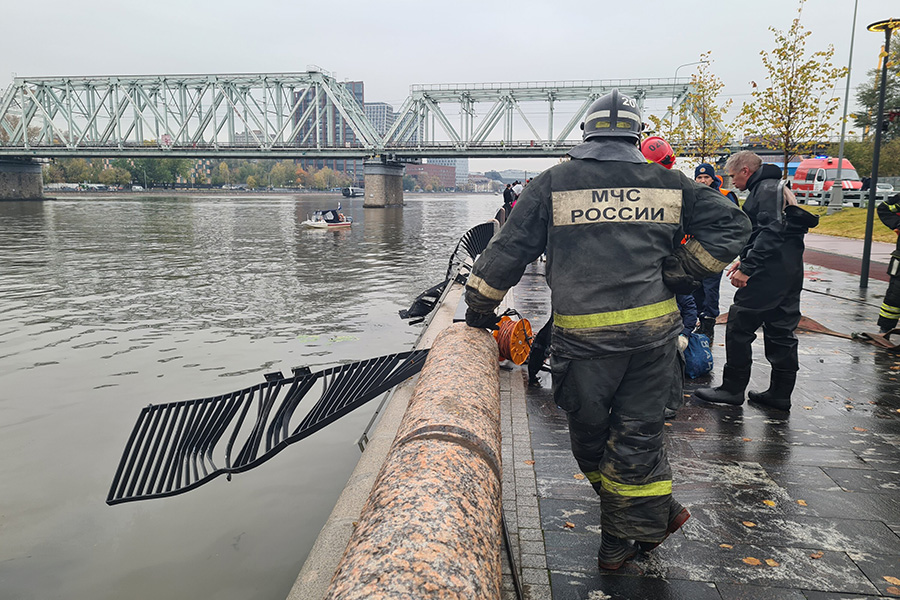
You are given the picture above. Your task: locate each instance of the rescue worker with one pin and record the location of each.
(769, 278)
(889, 213)
(706, 297)
(656, 149)
(608, 221)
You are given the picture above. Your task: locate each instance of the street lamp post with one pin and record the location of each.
(837, 195)
(672, 108)
(888, 28)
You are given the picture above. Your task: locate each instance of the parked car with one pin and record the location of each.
(884, 188)
(814, 176)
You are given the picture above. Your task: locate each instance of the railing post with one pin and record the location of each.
(431, 526)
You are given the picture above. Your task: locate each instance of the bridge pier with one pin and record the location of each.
(384, 184)
(21, 180)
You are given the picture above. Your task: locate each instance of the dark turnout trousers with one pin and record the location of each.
(615, 410)
(771, 300)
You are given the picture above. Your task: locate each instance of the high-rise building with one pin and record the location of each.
(333, 131)
(381, 115)
(460, 164)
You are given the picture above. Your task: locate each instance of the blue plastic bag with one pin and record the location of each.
(698, 359)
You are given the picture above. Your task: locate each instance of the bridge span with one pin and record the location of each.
(297, 115)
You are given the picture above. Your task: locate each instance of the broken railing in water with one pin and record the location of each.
(178, 446)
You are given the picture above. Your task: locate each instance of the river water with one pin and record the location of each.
(108, 304)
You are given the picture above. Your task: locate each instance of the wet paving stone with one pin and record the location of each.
(731, 591)
(882, 569)
(811, 595)
(841, 535)
(855, 480)
(579, 586)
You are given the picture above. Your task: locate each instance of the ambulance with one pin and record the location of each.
(816, 175)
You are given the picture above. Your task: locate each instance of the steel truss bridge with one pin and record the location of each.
(297, 115)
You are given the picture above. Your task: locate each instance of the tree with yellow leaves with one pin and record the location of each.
(798, 107)
(697, 124)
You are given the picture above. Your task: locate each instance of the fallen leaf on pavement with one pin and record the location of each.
(860, 429)
(817, 555)
(700, 429)
(752, 561)
(808, 407)
(771, 562)
(727, 546)
(529, 462)
(747, 439)
(801, 502)
(890, 579)
(769, 502)
(829, 398)
(893, 590)
(578, 476)
(749, 523)
(569, 525)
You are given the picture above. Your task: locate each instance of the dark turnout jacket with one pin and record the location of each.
(607, 221)
(770, 228)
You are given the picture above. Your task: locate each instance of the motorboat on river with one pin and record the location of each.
(331, 218)
(353, 192)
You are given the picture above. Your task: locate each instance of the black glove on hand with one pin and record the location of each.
(481, 320)
(675, 277)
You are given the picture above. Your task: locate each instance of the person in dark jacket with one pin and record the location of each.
(769, 278)
(508, 198)
(611, 224)
(889, 213)
(706, 297)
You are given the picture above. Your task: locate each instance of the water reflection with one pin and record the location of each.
(108, 304)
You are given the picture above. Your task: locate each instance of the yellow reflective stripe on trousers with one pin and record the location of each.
(594, 476)
(616, 317)
(657, 488)
(889, 312)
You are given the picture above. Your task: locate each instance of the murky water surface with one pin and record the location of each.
(108, 304)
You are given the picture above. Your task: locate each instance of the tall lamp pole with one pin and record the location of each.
(888, 28)
(696, 62)
(837, 195)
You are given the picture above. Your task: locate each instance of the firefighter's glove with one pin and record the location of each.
(675, 277)
(481, 320)
(682, 342)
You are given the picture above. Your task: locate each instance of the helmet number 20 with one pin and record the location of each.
(626, 101)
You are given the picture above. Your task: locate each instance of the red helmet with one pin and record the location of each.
(658, 150)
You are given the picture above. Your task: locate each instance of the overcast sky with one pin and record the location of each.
(390, 44)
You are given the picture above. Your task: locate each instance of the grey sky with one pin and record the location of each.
(394, 43)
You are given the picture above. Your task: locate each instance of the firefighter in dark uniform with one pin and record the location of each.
(611, 224)
(769, 278)
(889, 213)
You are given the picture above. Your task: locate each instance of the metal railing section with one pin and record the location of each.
(179, 446)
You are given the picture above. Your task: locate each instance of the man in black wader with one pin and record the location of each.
(611, 224)
(769, 278)
(889, 213)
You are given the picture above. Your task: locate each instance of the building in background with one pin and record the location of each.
(445, 176)
(462, 169)
(333, 130)
(381, 115)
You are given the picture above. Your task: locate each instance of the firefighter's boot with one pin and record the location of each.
(614, 551)
(707, 327)
(734, 382)
(678, 515)
(778, 395)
